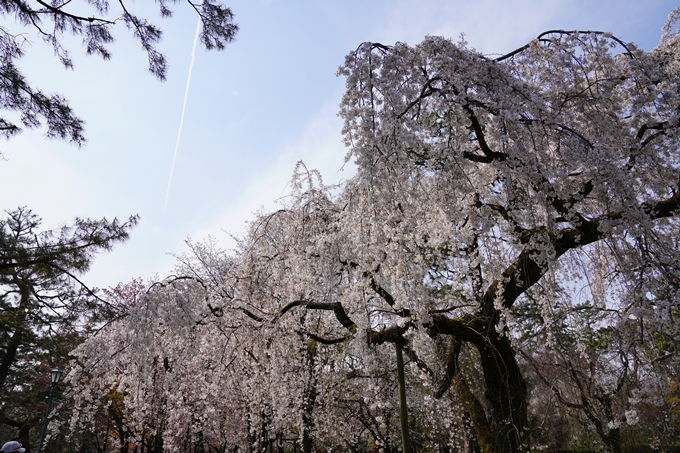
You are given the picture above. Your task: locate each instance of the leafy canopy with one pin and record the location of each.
(94, 21)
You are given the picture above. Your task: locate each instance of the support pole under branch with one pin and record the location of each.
(403, 413)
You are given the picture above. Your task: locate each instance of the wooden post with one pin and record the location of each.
(403, 413)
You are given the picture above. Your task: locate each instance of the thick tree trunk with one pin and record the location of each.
(471, 442)
(476, 414)
(158, 441)
(506, 391)
(505, 387)
(10, 354)
(614, 441)
(24, 432)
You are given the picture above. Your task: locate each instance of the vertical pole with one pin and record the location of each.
(403, 414)
(47, 414)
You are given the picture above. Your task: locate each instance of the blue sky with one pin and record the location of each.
(253, 110)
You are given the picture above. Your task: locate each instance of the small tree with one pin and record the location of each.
(44, 307)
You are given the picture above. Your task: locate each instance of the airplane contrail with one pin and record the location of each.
(184, 107)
